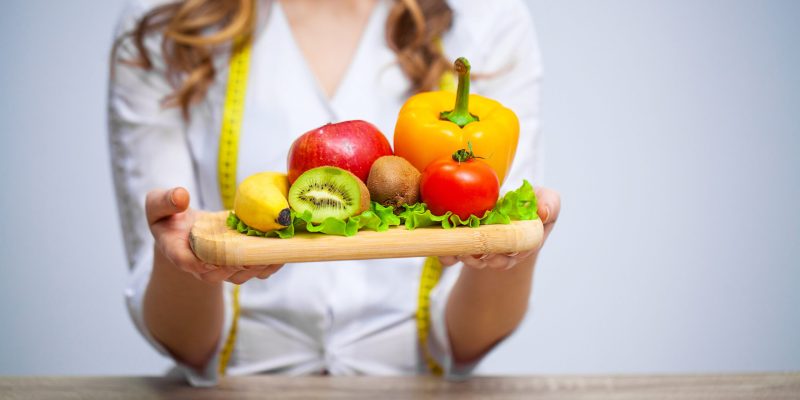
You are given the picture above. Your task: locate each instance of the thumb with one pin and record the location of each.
(160, 203)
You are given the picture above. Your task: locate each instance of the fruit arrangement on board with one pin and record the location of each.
(446, 170)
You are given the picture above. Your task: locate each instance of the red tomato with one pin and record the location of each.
(466, 187)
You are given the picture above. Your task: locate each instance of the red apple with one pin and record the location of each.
(350, 145)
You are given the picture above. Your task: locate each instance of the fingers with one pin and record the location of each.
(495, 261)
(448, 261)
(226, 273)
(269, 270)
(177, 250)
(238, 275)
(170, 223)
(186, 261)
(257, 271)
(161, 203)
(501, 261)
(549, 205)
(218, 275)
(264, 274)
(524, 255)
(473, 262)
(243, 276)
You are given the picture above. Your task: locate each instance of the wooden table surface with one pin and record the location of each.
(708, 387)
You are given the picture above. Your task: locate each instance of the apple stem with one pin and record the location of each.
(460, 114)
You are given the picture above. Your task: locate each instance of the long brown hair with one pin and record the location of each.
(193, 29)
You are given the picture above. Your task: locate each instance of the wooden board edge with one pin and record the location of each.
(218, 249)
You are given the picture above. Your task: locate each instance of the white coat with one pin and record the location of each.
(353, 317)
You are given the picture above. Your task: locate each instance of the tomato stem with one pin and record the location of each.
(464, 155)
(460, 114)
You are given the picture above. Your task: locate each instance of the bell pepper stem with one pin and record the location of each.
(460, 114)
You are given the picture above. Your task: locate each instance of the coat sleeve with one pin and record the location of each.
(149, 150)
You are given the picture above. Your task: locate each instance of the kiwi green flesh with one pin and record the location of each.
(327, 192)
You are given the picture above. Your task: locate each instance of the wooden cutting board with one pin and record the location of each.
(215, 243)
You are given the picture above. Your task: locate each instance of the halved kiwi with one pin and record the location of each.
(329, 192)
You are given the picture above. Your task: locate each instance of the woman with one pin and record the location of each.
(311, 62)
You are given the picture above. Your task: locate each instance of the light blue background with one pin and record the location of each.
(672, 133)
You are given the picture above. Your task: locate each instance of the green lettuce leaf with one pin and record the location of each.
(377, 218)
(418, 216)
(520, 204)
(234, 222)
(516, 205)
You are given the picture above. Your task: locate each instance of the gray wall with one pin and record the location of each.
(672, 133)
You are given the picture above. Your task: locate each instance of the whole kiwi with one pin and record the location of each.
(393, 181)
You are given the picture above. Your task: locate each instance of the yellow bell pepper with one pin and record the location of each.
(429, 128)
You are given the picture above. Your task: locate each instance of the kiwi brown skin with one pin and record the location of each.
(365, 197)
(393, 181)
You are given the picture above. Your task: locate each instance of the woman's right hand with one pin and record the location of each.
(170, 220)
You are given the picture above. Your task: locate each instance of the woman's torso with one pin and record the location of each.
(338, 317)
(343, 317)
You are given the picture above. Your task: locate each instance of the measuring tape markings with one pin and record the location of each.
(227, 161)
(431, 272)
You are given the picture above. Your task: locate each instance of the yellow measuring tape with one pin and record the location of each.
(227, 161)
(431, 272)
(227, 349)
(228, 156)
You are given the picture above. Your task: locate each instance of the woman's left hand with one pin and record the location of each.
(549, 206)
